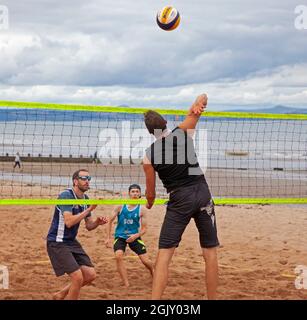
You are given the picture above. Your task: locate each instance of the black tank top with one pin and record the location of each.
(174, 159)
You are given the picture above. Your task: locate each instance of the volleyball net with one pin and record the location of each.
(246, 157)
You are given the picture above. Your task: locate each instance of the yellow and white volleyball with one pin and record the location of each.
(168, 18)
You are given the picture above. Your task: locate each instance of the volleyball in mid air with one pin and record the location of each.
(168, 18)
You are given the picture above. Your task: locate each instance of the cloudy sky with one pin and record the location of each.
(106, 52)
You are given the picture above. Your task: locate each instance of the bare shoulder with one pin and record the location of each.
(118, 209)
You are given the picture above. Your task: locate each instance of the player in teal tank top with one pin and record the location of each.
(128, 222)
(131, 225)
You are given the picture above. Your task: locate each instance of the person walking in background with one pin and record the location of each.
(17, 161)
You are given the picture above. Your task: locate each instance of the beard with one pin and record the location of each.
(84, 188)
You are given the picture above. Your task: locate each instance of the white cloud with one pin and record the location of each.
(282, 86)
(102, 51)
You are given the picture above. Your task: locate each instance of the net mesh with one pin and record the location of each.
(242, 157)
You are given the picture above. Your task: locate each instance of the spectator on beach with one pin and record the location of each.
(95, 159)
(17, 161)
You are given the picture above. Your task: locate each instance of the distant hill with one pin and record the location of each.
(277, 110)
(123, 106)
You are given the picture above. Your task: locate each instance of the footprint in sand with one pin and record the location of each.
(20, 280)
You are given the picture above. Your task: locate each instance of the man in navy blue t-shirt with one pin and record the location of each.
(65, 252)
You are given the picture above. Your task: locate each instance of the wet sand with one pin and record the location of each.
(48, 179)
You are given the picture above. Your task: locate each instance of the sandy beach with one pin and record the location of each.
(108, 98)
(260, 245)
(260, 248)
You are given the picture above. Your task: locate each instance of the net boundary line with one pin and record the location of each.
(113, 109)
(217, 201)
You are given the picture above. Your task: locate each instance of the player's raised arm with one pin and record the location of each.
(197, 108)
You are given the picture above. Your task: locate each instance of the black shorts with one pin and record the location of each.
(185, 203)
(138, 246)
(67, 257)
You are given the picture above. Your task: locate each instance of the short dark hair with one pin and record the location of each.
(154, 121)
(134, 186)
(77, 173)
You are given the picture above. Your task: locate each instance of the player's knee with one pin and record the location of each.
(89, 275)
(119, 255)
(77, 278)
(144, 260)
(210, 254)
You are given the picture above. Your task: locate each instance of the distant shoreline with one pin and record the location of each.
(119, 162)
(231, 182)
(49, 159)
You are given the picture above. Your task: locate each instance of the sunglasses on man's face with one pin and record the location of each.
(85, 178)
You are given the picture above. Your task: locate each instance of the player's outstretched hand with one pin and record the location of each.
(102, 220)
(200, 104)
(132, 238)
